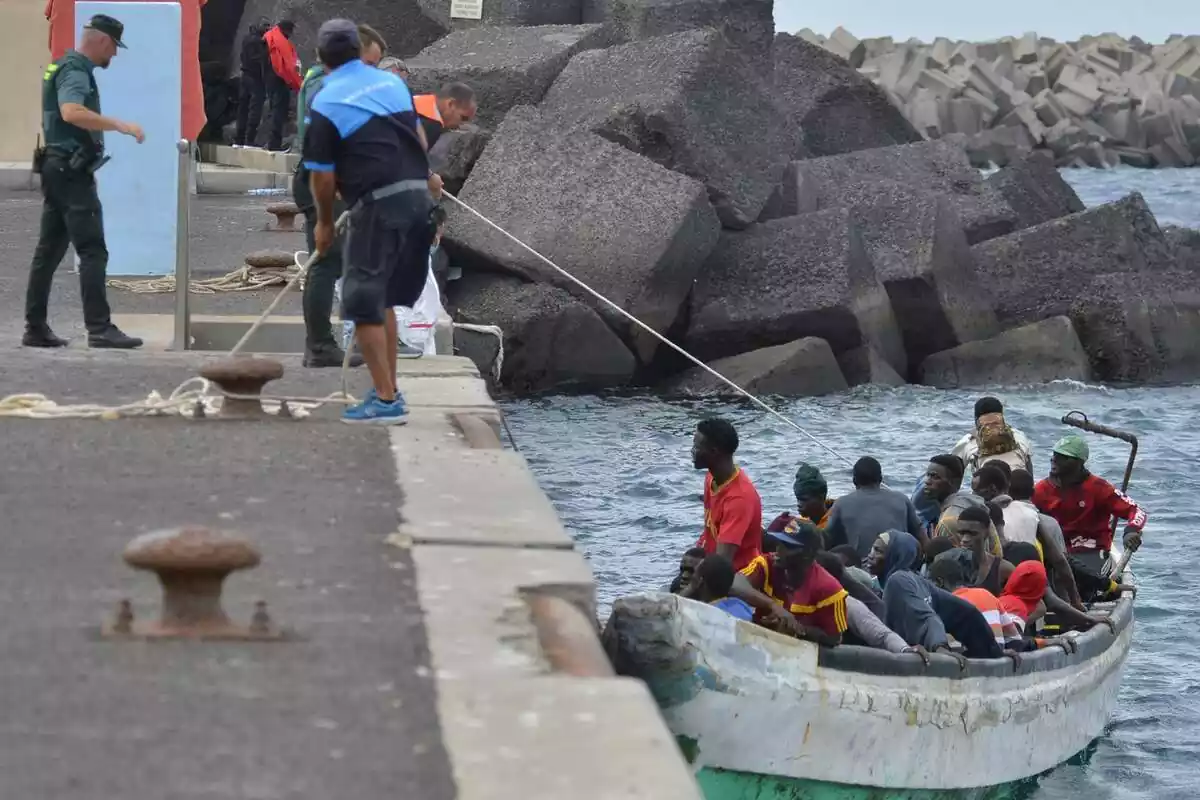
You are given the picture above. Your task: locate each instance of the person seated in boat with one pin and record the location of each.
(815, 598)
(858, 517)
(852, 565)
(993, 438)
(812, 499)
(1065, 615)
(1084, 505)
(990, 482)
(711, 583)
(952, 572)
(974, 526)
(732, 506)
(1023, 593)
(921, 613)
(943, 483)
(1023, 523)
(687, 567)
(864, 613)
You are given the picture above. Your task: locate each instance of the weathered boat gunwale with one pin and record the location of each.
(871, 661)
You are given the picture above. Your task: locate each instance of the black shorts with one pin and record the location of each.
(386, 255)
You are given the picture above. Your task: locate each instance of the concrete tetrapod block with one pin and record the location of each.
(936, 168)
(454, 154)
(1036, 353)
(921, 256)
(505, 66)
(748, 24)
(551, 340)
(837, 109)
(788, 279)
(690, 102)
(634, 231)
(865, 366)
(1035, 190)
(803, 368)
(789, 198)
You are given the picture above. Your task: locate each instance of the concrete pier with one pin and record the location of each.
(446, 631)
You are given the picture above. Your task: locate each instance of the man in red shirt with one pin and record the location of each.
(816, 599)
(732, 507)
(282, 78)
(1084, 504)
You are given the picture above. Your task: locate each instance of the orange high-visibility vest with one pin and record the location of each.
(426, 105)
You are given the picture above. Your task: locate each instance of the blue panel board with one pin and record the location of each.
(139, 186)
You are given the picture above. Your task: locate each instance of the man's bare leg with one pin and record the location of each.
(372, 340)
(393, 342)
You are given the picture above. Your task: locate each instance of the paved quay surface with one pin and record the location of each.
(410, 560)
(404, 557)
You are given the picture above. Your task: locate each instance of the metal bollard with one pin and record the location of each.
(182, 233)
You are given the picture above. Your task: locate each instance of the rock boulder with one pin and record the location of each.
(921, 256)
(632, 230)
(788, 279)
(865, 366)
(748, 24)
(1036, 353)
(690, 102)
(803, 368)
(837, 109)
(1035, 190)
(551, 340)
(505, 66)
(934, 168)
(454, 154)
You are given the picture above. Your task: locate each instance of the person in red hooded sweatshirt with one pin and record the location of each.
(283, 78)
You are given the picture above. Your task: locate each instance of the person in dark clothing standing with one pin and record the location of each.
(283, 78)
(252, 87)
(321, 348)
(71, 212)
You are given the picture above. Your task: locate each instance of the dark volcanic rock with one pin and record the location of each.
(1035, 190)
(691, 103)
(935, 168)
(803, 368)
(1035, 353)
(633, 231)
(1185, 244)
(837, 109)
(505, 66)
(789, 197)
(454, 154)
(921, 256)
(551, 340)
(788, 279)
(1113, 273)
(748, 24)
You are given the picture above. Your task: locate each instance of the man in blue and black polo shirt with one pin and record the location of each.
(361, 141)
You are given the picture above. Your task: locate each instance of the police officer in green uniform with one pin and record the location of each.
(71, 213)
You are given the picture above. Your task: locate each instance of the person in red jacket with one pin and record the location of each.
(1084, 505)
(283, 78)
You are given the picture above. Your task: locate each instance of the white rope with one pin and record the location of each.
(244, 279)
(764, 406)
(186, 401)
(491, 330)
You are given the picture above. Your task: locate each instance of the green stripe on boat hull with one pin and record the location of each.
(720, 784)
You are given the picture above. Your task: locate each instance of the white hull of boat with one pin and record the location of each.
(746, 699)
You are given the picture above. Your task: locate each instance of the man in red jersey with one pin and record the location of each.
(1084, 504)
(732, 507)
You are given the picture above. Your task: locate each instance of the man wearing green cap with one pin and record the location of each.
(1084, 505)
(71, 213)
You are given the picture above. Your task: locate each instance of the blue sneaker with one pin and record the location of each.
(373, 411)
(374, 395)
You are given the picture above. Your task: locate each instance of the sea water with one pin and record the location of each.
(618, 469)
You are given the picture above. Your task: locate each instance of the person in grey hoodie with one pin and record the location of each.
(859, 517)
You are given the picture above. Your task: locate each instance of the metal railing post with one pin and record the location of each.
(182, 234)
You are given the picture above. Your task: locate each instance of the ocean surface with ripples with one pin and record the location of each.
(618, 469)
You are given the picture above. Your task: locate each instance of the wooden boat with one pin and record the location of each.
(762, 716)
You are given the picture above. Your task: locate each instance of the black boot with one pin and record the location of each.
(330, 355)
(41, 336)
(113, 339)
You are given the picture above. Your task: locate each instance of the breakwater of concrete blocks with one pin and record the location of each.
(1098, 102)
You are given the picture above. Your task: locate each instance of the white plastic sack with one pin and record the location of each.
(415, 325)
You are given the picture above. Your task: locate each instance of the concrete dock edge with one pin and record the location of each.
(484, 539)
